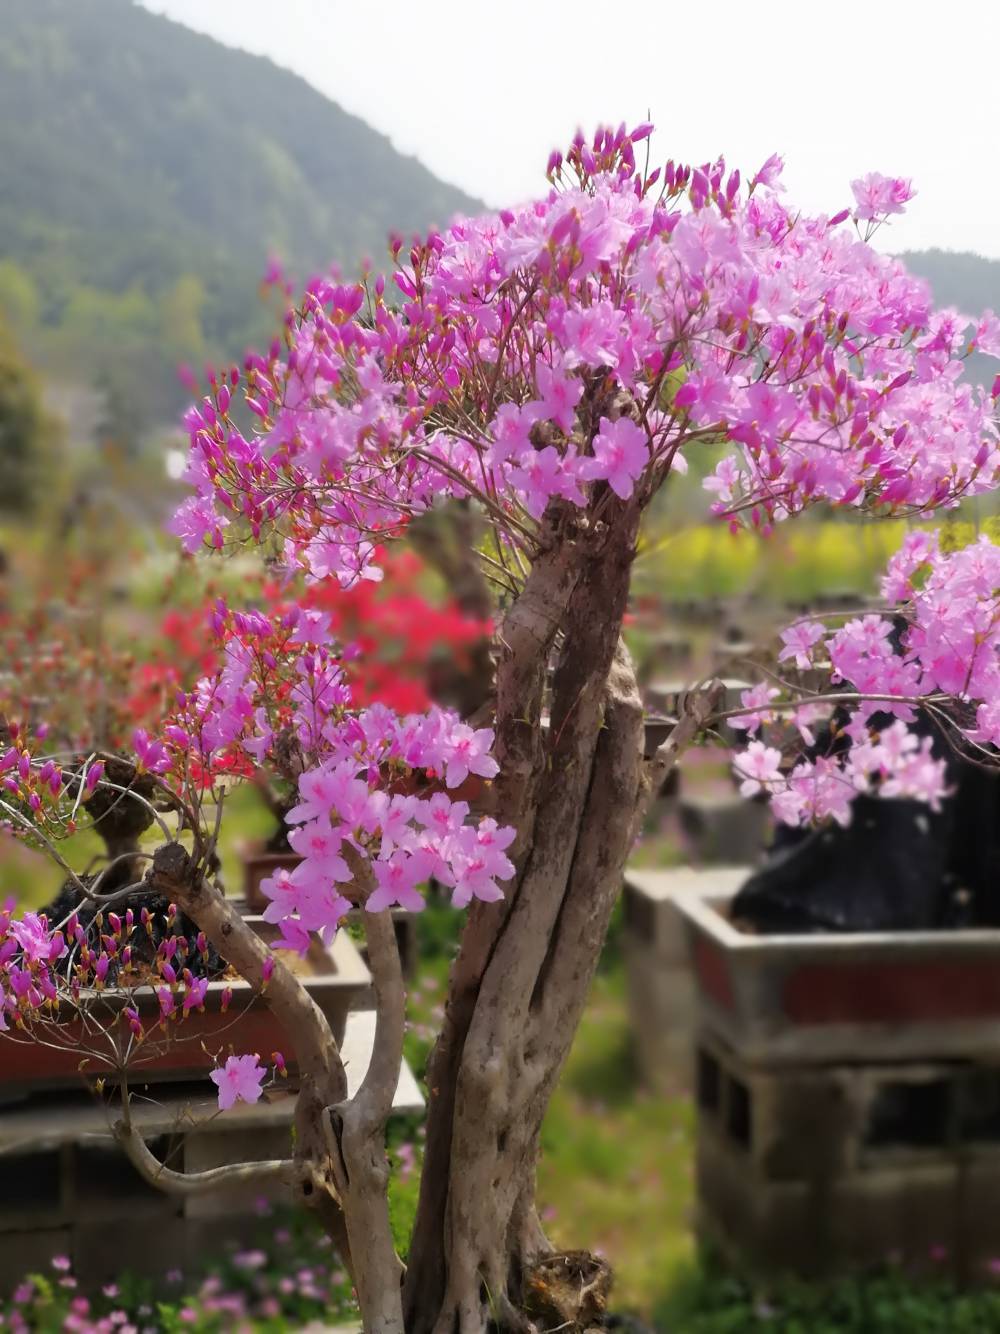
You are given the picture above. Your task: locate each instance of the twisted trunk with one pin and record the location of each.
(522, 977)
(574, 792)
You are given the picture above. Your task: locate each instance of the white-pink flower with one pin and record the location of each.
(239, 1080)
(760, 768)
(621, 452)
(800, 641)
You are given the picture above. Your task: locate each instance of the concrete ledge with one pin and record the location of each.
(49, 1120)
(661, 988)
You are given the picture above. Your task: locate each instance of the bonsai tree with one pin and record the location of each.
(547, 369)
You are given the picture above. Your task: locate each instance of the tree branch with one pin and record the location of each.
(276, 1170)
(378, 1088)
(700, 708)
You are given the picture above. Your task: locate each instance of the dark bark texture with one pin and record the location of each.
(524, 969)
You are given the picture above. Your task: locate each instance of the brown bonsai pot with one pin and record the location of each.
(335, 977)
(260, 865)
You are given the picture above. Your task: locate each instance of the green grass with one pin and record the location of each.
(709, 1299)
(616, 1168)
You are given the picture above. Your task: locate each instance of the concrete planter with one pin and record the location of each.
(848, 1091)
(887, 995)
(336, 978)
(661, 987)
(723, 828)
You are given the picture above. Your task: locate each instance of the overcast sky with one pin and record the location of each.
(481, 92)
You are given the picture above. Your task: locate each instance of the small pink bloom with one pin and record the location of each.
(759, 766)
(621, 452)
(239, 1080)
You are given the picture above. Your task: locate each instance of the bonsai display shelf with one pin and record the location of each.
(68, 1188)
(848, 1091)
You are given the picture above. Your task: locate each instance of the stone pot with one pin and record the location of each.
(843, 996)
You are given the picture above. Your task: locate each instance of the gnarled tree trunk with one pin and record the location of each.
(523, 973)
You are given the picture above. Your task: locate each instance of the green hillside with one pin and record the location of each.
(146, 172)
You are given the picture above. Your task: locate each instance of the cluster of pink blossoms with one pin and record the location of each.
(587, 343)
(408, 840)
(717, 310)
(939, 651)
(371, 777)
(44, 963)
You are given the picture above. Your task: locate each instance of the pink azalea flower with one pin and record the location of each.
(396, 879)
(152, 754)
(239, 1080)
(468, 753)
(759, 766)
(194, 996)
(877, 195)
(621, 452)
(799, 642)
(756, 698)
(35, 939)
(560, 394)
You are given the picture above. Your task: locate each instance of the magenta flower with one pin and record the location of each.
(194, 996)
(151, 754)
(239, 1080)
(33, 935)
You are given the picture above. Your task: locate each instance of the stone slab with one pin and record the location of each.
(46, 1121)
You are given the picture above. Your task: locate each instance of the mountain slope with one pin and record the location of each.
(135, 153)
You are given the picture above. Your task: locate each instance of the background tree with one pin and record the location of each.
(27, 435)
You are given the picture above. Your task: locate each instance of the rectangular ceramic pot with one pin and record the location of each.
(335, 977)
(798, 999)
